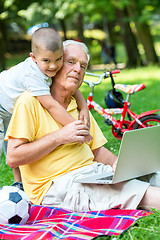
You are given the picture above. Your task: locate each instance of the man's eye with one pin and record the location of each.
(83, 66)
(71, 62)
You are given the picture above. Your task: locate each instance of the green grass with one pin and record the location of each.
(148, 227)
(5, 172)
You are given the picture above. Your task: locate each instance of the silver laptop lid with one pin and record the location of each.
(141, 148)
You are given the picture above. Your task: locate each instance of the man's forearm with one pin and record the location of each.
(21, 152)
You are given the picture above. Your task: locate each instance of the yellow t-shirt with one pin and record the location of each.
(31, 121)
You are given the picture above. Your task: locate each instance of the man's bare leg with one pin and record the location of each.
(151, 198)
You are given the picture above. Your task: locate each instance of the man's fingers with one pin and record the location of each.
(81, 125)
(76, 131)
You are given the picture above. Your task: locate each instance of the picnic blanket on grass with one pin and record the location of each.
(56, 223)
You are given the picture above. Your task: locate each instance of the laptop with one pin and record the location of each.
(139, 155)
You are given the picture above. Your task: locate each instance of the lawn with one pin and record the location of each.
(148, 227)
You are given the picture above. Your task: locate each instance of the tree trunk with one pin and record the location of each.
(108, 28)
(112, 40)
(80, 27)
(64, 28)
(3, 39)
(147, 42)
(143, 31)
(129, 39)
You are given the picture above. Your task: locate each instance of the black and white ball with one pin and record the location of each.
(14, 205)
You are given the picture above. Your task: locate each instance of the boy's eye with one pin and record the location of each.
(59, 59)
(47, 60)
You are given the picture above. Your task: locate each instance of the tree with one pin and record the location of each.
(3, 36)
(9, 10)
(76, 14)
(129, 39)
(141, 17)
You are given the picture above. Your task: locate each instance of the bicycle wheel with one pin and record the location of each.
(148, 121)
(119, 134)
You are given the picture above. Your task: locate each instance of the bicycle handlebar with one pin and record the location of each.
(115, 71)
(103, 75)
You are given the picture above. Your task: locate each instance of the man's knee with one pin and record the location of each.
(151, 198)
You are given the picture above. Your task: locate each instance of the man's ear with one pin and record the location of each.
(33, 57)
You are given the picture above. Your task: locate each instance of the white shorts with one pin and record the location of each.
(64, 193)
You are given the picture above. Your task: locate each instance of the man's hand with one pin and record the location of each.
(114, 165)
(76, 131)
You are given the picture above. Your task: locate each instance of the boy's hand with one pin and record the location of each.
(76, 131)
(84, 116)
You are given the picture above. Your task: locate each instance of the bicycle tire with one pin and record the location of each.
(149, 121)
(119, 134)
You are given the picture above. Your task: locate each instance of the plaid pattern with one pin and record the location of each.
(55, 223)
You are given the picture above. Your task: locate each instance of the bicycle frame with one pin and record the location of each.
(119, 126)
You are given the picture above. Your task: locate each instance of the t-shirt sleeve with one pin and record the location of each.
(37, 86)
(22, 123)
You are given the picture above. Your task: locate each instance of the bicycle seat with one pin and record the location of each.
(129, 88)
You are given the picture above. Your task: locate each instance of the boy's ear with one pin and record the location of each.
(33, 57)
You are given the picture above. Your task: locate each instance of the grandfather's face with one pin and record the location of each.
(72, 73)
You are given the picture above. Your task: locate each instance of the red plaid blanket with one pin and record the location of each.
(56, 223)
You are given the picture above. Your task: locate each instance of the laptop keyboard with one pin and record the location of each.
(106, 178)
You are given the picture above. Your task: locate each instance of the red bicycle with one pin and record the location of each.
(117, 105)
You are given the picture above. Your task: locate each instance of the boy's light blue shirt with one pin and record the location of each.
(25, 76)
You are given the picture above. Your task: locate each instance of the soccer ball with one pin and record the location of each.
(14, 205)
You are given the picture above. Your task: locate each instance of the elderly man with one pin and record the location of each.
(50, 156)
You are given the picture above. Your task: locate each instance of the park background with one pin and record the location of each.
(129, 27)
(121, 34)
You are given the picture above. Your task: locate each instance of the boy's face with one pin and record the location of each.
(48, 62)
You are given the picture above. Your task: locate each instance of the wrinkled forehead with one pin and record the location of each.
(75, 52)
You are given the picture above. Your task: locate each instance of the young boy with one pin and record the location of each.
(35, 75)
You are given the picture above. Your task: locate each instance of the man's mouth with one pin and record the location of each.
(74, 77)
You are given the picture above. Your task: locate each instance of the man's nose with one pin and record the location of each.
(77, 67)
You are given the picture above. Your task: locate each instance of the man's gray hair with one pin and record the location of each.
(82, 45)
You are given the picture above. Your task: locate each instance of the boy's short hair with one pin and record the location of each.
(81, 44)
(47, 38)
